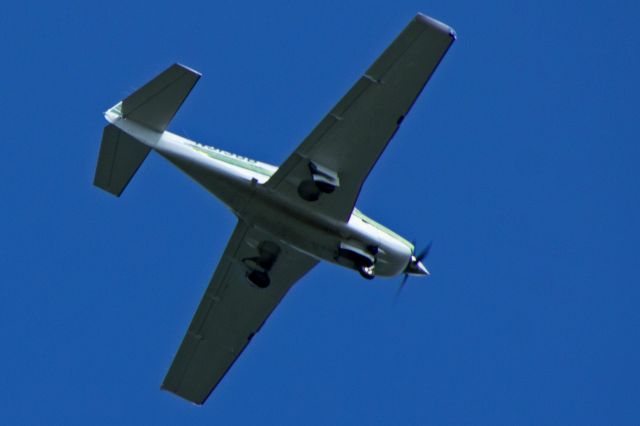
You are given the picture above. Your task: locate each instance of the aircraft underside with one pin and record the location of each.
(289, 217)
(353, 244)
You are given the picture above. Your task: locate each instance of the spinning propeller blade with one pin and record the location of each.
(425, 252)
(415, 267)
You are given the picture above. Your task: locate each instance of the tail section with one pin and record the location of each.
(120, 157)
(155, 104)
(152, 106)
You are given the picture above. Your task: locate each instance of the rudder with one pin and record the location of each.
(120, 157)
(152, 106)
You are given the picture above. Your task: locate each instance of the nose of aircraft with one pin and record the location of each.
(416, 267)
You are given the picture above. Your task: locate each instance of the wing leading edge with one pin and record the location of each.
(232, 311)
(346, 144)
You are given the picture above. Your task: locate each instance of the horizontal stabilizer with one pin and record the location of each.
(155, 104)
(120, 157)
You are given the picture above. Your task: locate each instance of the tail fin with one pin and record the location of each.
(120, 158)
(155, 104)
(152, 106)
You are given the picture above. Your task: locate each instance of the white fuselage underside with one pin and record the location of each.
(238, 182)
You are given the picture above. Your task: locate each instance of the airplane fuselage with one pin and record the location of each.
(238, 182)
(289, 217)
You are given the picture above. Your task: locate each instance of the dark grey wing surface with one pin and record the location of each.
(233, 310)
(120, 157)
(340, 152)
(155, 103)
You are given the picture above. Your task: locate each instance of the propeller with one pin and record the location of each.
(424, 253)
(415, 267)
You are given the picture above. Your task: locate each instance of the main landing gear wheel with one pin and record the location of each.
(259, 278)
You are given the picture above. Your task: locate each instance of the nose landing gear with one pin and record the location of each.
(367, 272)
(361, 259)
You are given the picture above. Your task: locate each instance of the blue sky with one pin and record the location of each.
(520, 161)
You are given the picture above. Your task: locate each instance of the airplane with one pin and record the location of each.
(289, 217)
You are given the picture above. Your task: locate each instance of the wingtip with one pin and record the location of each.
(198, 73)
(427, 20)
(165, 388)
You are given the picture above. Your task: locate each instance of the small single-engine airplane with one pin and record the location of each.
(289, 217)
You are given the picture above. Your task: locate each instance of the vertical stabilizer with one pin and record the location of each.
(152, 106)
(120, 157)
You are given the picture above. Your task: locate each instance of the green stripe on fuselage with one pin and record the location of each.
(116, 109)
(254, 166)
(234, 160)
(382, 228)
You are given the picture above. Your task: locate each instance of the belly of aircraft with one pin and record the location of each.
(322, 237)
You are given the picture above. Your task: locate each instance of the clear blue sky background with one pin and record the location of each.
(520, 161)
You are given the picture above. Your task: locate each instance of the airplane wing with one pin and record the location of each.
(343, 148)
(233, 310)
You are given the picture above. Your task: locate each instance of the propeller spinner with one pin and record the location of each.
(415, 267)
